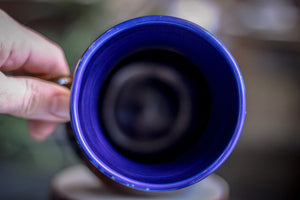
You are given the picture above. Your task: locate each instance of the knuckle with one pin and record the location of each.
(5, 51)
(11, 59)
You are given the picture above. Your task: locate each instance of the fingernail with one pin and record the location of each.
(60, 107)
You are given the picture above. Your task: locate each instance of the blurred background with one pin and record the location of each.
(264, 38)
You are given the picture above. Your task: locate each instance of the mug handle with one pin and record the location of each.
(62, 80)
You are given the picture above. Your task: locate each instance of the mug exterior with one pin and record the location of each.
(200, 47)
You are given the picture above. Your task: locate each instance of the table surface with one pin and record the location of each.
(78, 182)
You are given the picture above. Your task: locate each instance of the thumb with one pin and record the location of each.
(32, 98)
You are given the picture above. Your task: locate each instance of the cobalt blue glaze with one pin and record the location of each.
(220, 71)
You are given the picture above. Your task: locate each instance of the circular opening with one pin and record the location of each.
(198, 153)
(154, 104)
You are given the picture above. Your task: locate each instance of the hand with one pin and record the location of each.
(23, 51)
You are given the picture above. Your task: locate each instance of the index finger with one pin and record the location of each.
(22, 48)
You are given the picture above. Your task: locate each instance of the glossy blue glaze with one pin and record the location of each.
(220, 71)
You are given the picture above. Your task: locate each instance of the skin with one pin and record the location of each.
(23, 52)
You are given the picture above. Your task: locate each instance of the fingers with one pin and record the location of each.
(23, 48)
(34, 99)
(24, 51)
(40, 130)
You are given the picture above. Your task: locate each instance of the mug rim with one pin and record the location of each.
(78, 74)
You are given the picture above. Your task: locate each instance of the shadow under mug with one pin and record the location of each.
(182, 104)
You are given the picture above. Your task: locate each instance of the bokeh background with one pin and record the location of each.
(263, 36)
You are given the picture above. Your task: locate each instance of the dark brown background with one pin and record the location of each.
(264, 37)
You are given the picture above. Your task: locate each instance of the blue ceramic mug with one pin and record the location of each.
(157, 103)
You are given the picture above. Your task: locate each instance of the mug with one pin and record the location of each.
(157, 104)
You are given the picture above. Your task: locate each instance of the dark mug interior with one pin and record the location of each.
(157, 103)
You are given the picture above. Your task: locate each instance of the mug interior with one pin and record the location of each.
(203, 50)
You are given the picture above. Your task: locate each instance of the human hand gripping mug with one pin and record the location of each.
(157, 104)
